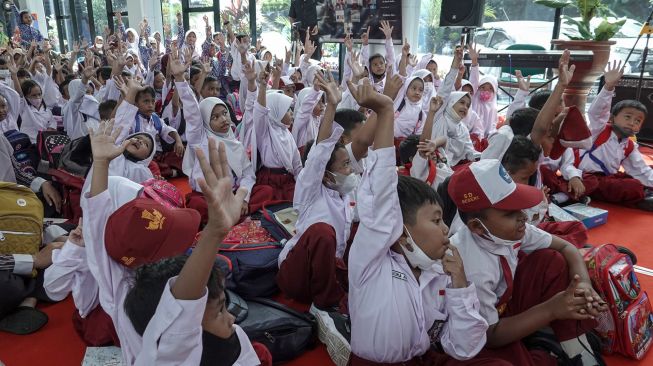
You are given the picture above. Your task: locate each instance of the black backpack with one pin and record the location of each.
(77, 157)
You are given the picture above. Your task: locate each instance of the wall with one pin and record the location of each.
(145, 9)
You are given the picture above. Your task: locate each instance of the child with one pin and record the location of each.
(24, 23)
(408, 104)
(9, 108)
(519, 294)
(485, 99)
(459, 147)
(35, 115)
(170, 310)
(279, 156)
(377, 64)
(613, 148)
(81, 111)
(309, 261)
(308, 112)
(405, 292)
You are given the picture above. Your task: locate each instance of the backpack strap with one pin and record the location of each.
(630, 146)
(601, 139)
(158, 124)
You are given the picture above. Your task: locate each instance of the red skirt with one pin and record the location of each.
(280, 180)
(167, 162)
(96, 329)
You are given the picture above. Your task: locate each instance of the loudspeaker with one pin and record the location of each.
(627, 89)
(462, 13)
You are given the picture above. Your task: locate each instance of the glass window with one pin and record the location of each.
(200, 3)
(169, 10)
(100, 15)
(196, 22)
(273, 26)
(82, 21)
(53, 27)
(119, 5)
(238, 11)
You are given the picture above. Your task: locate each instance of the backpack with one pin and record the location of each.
(71, 189)
(627, 327)
(285, 332)
(50, 144)
(21, 220)
(24, 153)
(270, 215)
(601, 139)
(76, 157)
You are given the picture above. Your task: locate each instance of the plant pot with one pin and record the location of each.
(586, 73)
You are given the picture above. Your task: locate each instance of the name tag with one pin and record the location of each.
(399, 275)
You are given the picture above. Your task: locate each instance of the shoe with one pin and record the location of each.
(646, 204)
(24, 320)
(334, 330)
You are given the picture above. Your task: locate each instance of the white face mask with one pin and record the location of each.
(496, 239)
(36, 102)
(428, 88)
(536, 214)
(417, 258)
(344, 183)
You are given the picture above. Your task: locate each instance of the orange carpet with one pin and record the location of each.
(57, 343)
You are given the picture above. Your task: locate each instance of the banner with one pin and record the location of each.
(339, 17)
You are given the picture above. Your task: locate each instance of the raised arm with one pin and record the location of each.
(389, 47)
(599, 112)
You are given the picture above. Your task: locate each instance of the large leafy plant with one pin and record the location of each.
(588, 9)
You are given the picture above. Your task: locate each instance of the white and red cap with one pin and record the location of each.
(485, 183)
(285, 80)
(573, 133)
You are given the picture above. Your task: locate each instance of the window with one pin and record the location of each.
(100, 16)
(238, 11)
(200, 3)
(196, 22)
(273, 26)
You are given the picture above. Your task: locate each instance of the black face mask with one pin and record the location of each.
(622, 132)
(217, 351)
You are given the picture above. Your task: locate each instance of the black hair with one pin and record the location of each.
(629, 103)
(126, 74)
(240, 37)
(22, 73)
(413, 194)
(348, 119)
(539, 98)
(194, 71)
(408, 148)
(466, 216)
(27, 85)
(332, 158)
(104, 72)
(520, 152)
(147, 91)
(65, 83)
(374, 57)
(209, 79)
(522, 120)
(106, 109)
(150, 280)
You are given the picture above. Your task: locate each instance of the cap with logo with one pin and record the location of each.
(286, 80)
(485, 183)
(145, 231)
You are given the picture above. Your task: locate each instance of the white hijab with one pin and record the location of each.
(133, 46)
(196, 55)
(312, 126)
(449, 125)
(283, 143)
(407, 120)
(487, 111)
(234, 148)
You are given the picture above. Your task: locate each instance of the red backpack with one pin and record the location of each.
(601, 139)
(627, 326)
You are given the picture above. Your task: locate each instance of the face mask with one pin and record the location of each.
(217, 351)
(453, 115)
(623, 131)
(344, 183)
(36, 102)
(428, 88)
(485, 95)
(495, 239)
(417, 258)
(536, 214)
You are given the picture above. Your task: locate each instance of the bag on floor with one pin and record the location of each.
(24, 152)
(627, 327)
(50, 145)
(76, 157)
(71, 189)
(278, 218)
(285, 332)
(21, 220)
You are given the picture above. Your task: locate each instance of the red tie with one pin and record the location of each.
(507, 275)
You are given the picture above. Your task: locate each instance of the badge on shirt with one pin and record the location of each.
(399, 275)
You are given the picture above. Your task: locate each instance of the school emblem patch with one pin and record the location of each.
(504, 174)
(155, 219)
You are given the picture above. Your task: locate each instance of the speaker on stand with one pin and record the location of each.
(462, 13)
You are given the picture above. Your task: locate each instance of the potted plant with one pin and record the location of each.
(596, 40)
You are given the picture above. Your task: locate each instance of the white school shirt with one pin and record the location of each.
(126, 118)
(357, 167)
(392, 315)
(420, 170)
(50, 90)
(69, 272)
(483, 266)
(35, 120)
(247, 134)
(73, 120)
(612, 152)
(407, 121)
(473, 123)
(389, 60)
(487, 111)
(199, 138)
(305, 125)
(565, 164)
(264, 136)
(317, 203)
(13, 108)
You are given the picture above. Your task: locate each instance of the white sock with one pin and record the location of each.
(561, 197)
(573, 348)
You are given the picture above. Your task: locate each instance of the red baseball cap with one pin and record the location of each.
(145, 231)
(573, 133)
(486, 183)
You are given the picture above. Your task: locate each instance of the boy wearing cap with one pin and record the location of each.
(519, 293)
(405, 293)
(169, 307)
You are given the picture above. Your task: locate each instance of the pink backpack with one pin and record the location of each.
(627, 326)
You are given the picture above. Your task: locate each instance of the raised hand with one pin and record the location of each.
(314, 31)
(206, 20)
(175, 66)
(386, 29)
(154, 60)
(357, 70)
(367, 97)
(224, 207)
(393, 83)
(277, 69)
(288, 55)
(103, 142)
(166, 29)
(458, 54)
(412, 60)
(565, 72)
(365, 37)
(328, 85)
(263, 78)
(613, 74)
(179, 19)
(249, 70)
(121, 84)
(75, 47)
(349, 43)
(118, 16)
(473, 53)
(405, 49)
(524, 84)
(76, 236)
(435, 104)
(89, 71)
